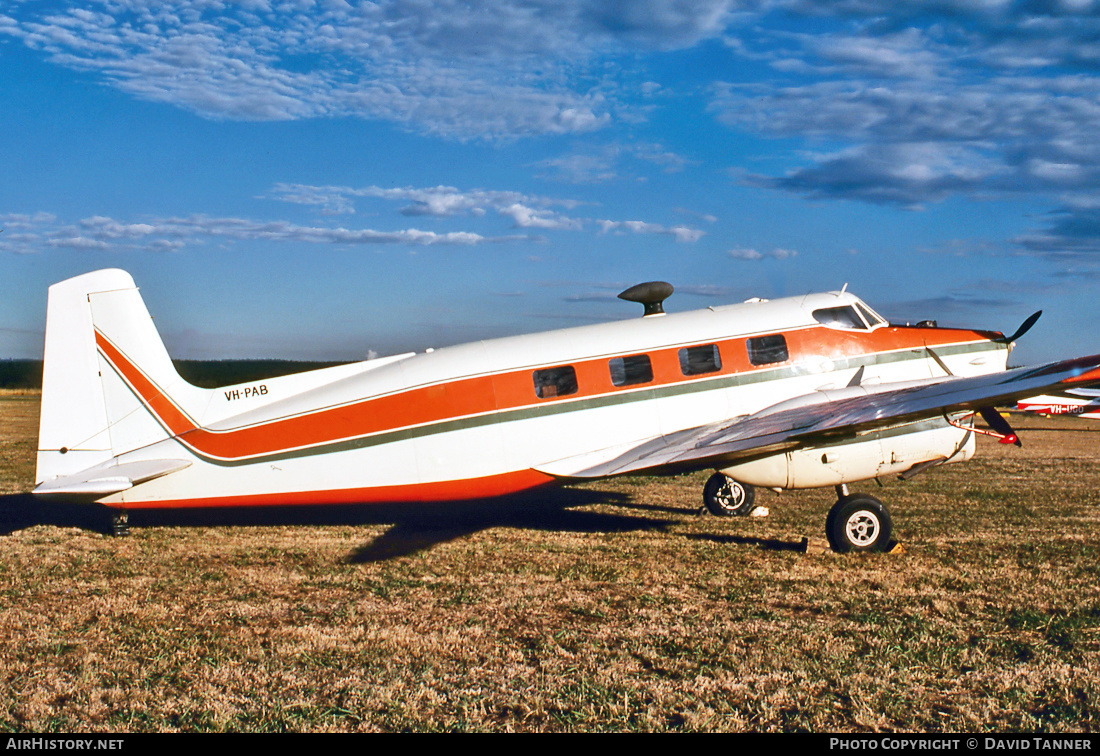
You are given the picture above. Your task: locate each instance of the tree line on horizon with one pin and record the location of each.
(27, 374)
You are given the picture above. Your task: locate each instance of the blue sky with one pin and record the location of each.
(321, 179)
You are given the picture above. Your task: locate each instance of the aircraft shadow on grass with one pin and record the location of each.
(414, 527)
(768, 544)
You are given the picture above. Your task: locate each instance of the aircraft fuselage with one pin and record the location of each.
(500, 416)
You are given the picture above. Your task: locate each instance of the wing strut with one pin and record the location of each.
(999, 427)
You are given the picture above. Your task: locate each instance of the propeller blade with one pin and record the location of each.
(1024, 328)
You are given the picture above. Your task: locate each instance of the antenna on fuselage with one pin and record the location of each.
(650, 294)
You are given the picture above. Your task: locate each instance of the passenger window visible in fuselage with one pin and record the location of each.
(698, 360)
(765, 350)
(555, 381)
(628, 371)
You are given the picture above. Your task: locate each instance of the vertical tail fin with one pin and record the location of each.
(90, 413)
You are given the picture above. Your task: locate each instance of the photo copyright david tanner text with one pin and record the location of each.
(63, 744)
(986, 743)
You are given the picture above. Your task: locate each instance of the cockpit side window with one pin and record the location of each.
(840, 317)
(869, 315)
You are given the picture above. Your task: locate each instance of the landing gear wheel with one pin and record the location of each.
(858, 523)
(726, 497)
(120, 524)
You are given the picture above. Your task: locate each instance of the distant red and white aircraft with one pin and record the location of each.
(802, 392)
(1078, 402)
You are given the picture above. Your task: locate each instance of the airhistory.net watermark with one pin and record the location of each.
(63, 744)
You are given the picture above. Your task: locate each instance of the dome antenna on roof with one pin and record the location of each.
(650, 294)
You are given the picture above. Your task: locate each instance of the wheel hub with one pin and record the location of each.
(862, 528)
(731, 496)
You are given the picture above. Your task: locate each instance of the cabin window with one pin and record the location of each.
(555, 381)
(840, 317)
(627, 371)
(697, 360)
(764, 350)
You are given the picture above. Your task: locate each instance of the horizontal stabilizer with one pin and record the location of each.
(103, 480)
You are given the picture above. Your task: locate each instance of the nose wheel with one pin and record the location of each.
(858, 522)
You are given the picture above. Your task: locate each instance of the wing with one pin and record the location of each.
(825, 416)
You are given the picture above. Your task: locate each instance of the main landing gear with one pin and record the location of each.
(726, 497)
(858, 522)
(120, 523)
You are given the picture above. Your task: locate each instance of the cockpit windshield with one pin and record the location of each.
(840, 317)
(852, 317)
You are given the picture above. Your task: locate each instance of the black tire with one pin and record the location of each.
(726, 497)
(859, 523)
(120, 523)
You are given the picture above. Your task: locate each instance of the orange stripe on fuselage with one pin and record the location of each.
(495, 392)
(171, 417)
(423, 493)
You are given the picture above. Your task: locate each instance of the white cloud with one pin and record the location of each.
(914, 143)
(526, 217)
(744, 253)
(24, 221)
(918, 101)
(909, 54)
(680, 233)
(106, 228)
(608, 162)
(456, 69)
(175, 233)
(902, 174)
(500, 69)
(32, 233)
(657, 154)
(245, 229)
(441, 201)
(581, 168)
(662, 24)
(525, 211)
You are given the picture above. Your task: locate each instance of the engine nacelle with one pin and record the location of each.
(884, 452)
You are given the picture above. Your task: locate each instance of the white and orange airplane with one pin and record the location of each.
(802, 392)
(1076, 402)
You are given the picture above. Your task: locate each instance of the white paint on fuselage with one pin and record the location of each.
(524, 441)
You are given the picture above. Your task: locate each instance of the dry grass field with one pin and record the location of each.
(612, 607)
